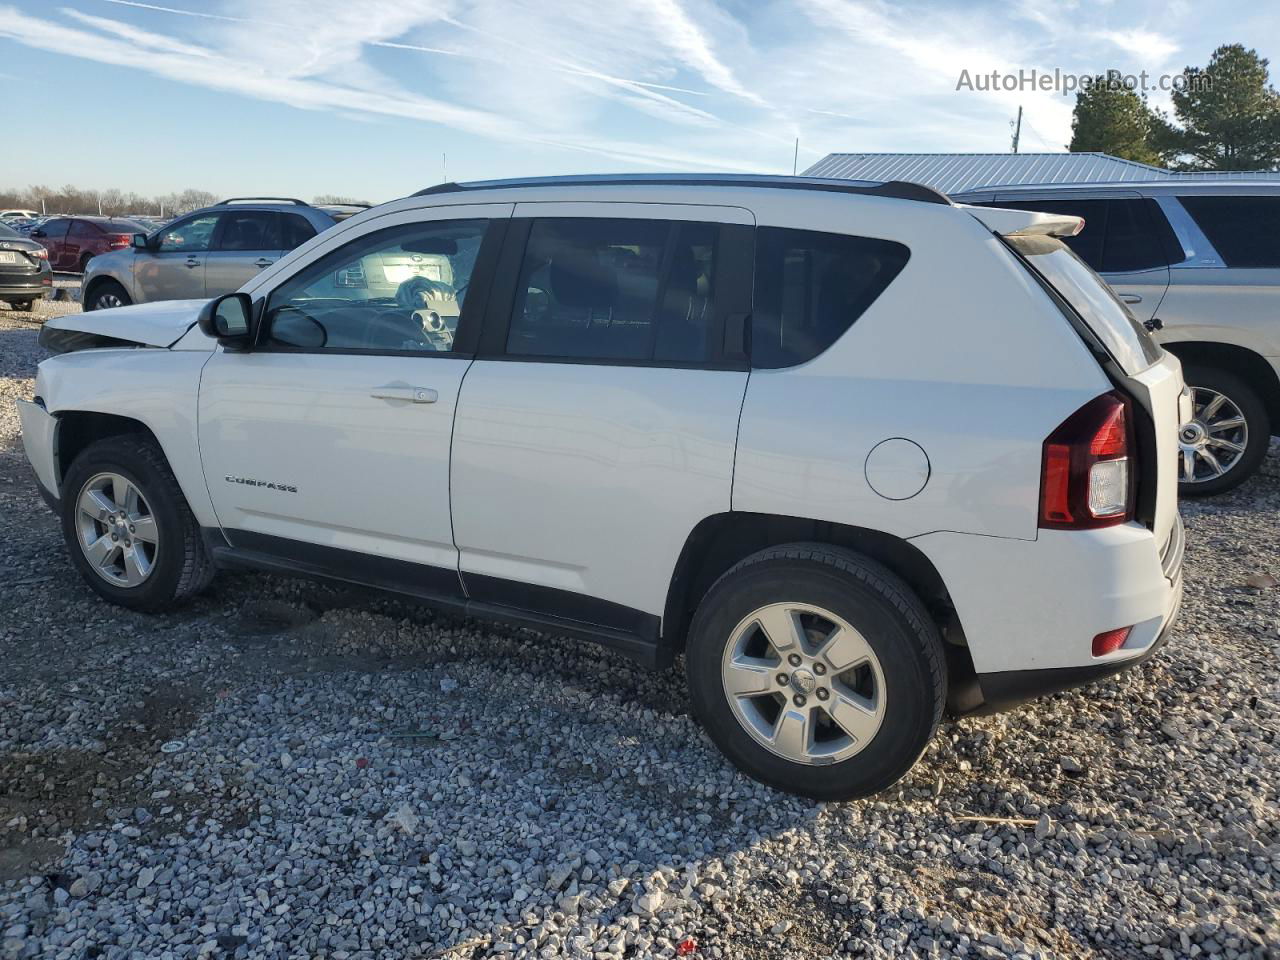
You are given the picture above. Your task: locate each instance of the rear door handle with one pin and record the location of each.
(1131, 298)
(192, 262)
(263, 262)
(393, 391)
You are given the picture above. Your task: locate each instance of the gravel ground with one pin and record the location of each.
(290, 770)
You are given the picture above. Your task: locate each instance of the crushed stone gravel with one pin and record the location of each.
(285, 769)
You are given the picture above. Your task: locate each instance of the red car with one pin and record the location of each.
(73, 241)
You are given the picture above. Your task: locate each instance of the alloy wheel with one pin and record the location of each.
(803, 683)
(117, 530)
(105, 301)
(1214, 440)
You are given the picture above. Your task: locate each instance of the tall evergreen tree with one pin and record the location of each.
(1229, 113)
(1110, 118)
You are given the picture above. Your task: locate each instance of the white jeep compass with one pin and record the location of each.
(857, 453)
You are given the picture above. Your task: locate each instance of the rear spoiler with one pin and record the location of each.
(1024, 223)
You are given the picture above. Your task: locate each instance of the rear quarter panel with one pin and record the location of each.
(963, 354)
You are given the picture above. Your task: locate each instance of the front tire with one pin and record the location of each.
(817, 671)
(106, 295)
(130, 532)
(1227, 439)
(24, 306)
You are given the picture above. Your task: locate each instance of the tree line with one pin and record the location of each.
(118, 203)
(1226, 116)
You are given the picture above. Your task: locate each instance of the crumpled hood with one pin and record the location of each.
(159, 324)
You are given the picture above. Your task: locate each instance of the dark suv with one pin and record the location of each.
(206, 253)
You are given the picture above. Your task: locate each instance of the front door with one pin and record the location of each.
(328, 442)
(597, 426)
(174, 268)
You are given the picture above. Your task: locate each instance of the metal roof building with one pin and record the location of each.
(957, 172)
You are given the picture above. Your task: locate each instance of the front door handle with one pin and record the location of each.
(263, 262)
(394, 391)
(1131, 298)
(192, 262)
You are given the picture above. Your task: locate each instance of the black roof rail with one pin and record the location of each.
(293, 200)
(896, 189)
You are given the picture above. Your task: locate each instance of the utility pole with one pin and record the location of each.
(1017, 129)
(795, 158)
(444, 168)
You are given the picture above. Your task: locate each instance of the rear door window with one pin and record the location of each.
(629, 290)
(1244, 230)
(810, 287)
(1121, 235)
(249, 230)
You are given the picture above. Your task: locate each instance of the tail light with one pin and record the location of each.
(40, 253)
(1085, 480)
(118, 240)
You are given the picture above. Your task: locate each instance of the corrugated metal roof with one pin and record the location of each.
(958, 172)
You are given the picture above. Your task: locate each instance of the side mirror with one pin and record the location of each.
(140, 242)
(227, 318)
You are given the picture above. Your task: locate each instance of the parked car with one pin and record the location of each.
(855, 451)
(73, 241)
(14, 213)
(1199, 263)
(205, 253)
(25, 276)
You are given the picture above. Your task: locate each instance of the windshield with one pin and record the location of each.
(1127, 340)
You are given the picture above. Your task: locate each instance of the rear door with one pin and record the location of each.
(597, 426)
(173, 269)
(83, 242)
(1125, 240)
(246, 242)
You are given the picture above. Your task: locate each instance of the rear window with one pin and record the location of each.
(1245, 230)
(1087, 294)
(8, 232)
(810, 287)
(121, 225)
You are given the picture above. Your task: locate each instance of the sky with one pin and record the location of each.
(373, 100)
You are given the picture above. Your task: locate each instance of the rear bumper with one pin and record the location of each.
(25, 285)
(1030, 609)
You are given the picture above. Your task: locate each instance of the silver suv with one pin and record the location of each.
(206, 253)
(1197, 261)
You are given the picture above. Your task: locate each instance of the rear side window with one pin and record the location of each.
(1245, 230)
(621, 290)
(810, 287)
(295, 231)
(84, 230)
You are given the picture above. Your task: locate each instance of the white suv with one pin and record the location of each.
(853, 450)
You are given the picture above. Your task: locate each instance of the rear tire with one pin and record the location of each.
(84, 262)
(157, 558)
(22, 305)
(1206, 440)
(862, 639)
(107, 294)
